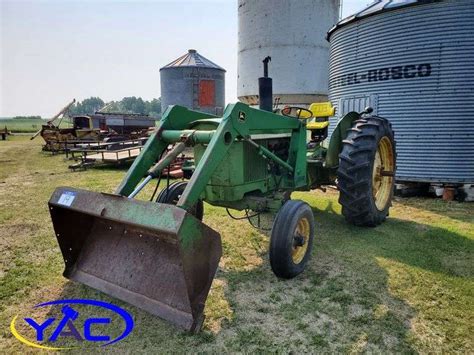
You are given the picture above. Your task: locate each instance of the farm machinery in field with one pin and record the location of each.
(101, 127)
(161, 257)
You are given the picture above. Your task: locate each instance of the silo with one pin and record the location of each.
(293, 33)
(413, 62)
(194, 82)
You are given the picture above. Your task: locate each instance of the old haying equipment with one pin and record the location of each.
(161, 257)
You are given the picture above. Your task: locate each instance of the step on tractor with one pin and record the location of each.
(160, 256)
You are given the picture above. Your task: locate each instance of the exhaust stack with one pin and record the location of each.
(265, 88)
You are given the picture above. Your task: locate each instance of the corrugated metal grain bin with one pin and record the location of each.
(194, 82)
(413, 62)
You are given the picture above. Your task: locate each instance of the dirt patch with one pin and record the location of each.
(13, 232)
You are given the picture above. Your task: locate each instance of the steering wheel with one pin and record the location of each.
(296, 112)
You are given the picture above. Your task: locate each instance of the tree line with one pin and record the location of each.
(126, 105)
(27, 118)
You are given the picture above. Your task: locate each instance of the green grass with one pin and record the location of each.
(406, 286)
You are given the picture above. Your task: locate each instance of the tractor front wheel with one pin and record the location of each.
(172, 194)
(291, 239)
(366, 172)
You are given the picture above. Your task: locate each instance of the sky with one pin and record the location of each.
(52, 51)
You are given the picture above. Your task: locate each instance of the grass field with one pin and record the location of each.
(25, 125)
(406, 286)
(21, 125)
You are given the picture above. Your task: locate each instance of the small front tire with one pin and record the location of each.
(291, 239)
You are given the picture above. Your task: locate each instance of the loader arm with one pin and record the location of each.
(215, 152)
(174, 118)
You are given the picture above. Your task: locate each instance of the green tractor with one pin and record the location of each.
(159, 256)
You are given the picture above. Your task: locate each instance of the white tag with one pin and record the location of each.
(67, 198)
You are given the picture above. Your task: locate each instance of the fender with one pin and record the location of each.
(338, 135)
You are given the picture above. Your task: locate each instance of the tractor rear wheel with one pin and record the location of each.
(366, 172)
(172, 194)
(291, 239)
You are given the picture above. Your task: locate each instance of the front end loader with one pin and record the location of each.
(161, 257)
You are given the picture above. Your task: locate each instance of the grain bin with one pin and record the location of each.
(293, 33)
(194, 82)
(413, 62)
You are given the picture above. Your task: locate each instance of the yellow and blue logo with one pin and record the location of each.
(74, 327)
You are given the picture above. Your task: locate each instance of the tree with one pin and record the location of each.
(134, 105)
(126, 105)
(87, 107)
(154, 107)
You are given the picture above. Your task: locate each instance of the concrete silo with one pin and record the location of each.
(292, 33)
(194, 82)
(413, 62)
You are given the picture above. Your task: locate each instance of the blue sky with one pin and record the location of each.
(54, 50)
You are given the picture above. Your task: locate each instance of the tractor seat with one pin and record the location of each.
(319, 127)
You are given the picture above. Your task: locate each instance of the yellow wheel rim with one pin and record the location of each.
(383, 173)
(300, 240)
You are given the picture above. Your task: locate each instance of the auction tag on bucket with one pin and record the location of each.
(67, 198)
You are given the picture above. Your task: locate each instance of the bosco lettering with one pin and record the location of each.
(409, 71)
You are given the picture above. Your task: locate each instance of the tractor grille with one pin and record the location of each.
(255, 166)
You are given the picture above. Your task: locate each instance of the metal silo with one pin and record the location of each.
(292, 33)
(413, 62)
(194, 82)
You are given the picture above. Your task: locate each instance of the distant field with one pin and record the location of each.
(20, 125)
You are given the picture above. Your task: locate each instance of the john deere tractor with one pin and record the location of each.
(161, 257)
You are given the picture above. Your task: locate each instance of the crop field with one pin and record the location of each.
(406, 286)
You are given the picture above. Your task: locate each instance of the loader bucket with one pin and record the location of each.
(155, 256)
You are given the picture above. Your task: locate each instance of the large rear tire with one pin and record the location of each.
(366, 172)
(291, 240)
(172, 194)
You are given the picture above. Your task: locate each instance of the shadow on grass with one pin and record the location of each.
(113, 167)
(122, 166)
(342, 302)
